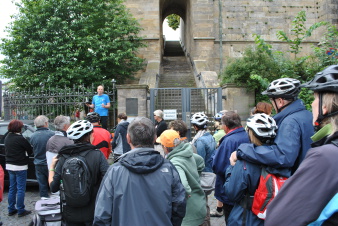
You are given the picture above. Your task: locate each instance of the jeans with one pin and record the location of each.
(41, 172)
(17, 189)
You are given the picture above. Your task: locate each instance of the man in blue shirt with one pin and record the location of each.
(101, 104)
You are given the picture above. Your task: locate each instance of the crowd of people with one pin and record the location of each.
(156, 174)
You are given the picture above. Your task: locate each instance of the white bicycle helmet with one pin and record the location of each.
(287, 88)
(78, 129)
(263, 126)
(199, 119)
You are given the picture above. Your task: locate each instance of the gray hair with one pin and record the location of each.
(142, 132)
(231, 119)
(60, 122)
(40, 121)
(158, 113)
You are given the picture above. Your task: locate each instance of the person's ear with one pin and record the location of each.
(128, 139)
(324, 110)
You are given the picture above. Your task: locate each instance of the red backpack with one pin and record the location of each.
(268, 187)
(2, 182)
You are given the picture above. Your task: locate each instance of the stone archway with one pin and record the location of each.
(178, 7)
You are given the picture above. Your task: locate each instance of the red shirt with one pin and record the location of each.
(101, 139)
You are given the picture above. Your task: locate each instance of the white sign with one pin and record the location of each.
(170, 114)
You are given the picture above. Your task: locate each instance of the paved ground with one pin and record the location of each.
(32, 195)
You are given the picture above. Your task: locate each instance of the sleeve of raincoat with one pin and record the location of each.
(178, 200)
(282, 154)
(104, 201)
(236, 182)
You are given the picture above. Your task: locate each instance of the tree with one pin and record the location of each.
(173, 21)
(66, 42)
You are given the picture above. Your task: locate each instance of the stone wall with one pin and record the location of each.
(241, 19)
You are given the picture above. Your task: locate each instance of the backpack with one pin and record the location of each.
(76, 184)
(268, 187)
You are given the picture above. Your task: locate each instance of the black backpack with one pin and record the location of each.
(76, 185)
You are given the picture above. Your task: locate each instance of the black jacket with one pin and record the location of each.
(16, 148)
(97, 165)
(160, 127)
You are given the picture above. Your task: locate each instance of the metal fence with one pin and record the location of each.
(28, 104)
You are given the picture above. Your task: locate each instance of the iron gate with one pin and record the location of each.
(186, 102)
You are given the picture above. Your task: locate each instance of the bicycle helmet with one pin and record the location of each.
(199, 119)
(263, 126)
(326, 80)
(286, 88)
(93, 117)
(218, 116)
(78, 129)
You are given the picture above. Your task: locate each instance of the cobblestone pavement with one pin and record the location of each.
(32, 195)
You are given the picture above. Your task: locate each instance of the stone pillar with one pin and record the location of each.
(238, 99)
(132, 100)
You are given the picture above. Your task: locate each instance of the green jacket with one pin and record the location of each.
(189, 165)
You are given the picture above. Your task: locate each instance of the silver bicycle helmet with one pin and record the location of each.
(326, 80)
(78, 129)
(199, 119)
(263, 126)
(287, 88)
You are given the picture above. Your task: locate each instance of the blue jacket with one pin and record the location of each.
(228, 144)
(242, 179)
(39, 141)
(292, 142)
(205, 146)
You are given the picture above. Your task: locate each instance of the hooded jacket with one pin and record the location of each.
(121, 131)
(97, 165)
(292, 142)
(188, 165)
(143, 188)
(228, 144)
(310, 196)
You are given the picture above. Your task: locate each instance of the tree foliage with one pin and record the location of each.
(173, 21)
(65, 42)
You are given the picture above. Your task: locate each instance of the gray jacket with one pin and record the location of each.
(143, 188)
(58, 141)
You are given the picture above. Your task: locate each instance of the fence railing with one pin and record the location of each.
(28, 104)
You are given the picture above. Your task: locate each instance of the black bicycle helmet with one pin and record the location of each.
(286, 88)
(324, 81)
(93, 117)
